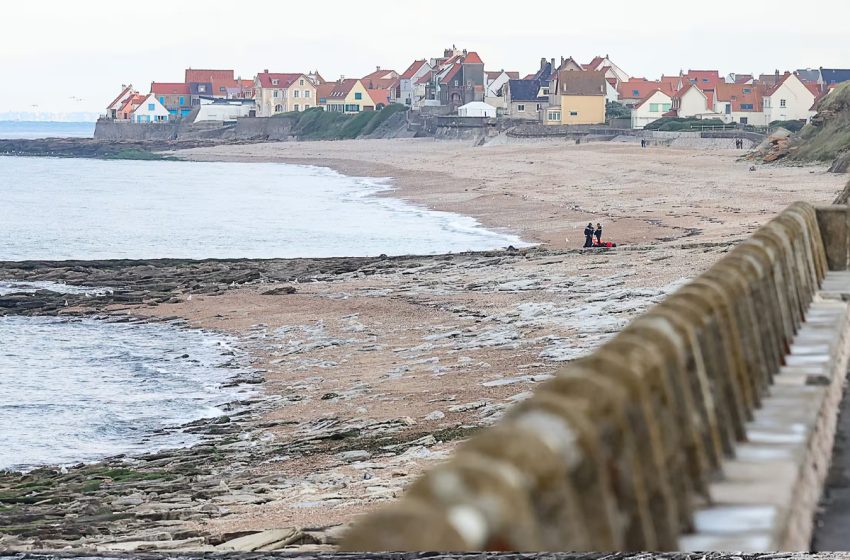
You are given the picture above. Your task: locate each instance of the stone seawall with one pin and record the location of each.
(706, 424)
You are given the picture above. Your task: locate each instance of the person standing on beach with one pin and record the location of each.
(598, 233)
(588, 235)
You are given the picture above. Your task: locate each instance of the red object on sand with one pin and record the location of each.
(604, 244)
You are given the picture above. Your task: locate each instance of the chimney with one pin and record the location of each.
(266, 71)
(562, 61)
(542, 63)
(464, 52)
(377, 68)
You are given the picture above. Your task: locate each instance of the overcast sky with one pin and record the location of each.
(73, 55)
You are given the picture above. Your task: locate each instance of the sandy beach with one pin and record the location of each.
(375, 368)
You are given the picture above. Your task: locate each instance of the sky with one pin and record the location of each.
(74, 55)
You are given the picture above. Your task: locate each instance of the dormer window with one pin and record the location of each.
(275, 82)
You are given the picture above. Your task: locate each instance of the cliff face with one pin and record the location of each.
(827, 138)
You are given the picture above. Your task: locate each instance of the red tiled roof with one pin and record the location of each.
(218, 78)
(342, 88)
(513, 75)
(644, 88)
(379, 96)
(736, 96)
(284, 80)
(670, 81)
(412, 69)
(424, 78)
(813, 87)
(165, 88)
(593, 64)
(743, 78)
(451, 74)
(132, 102)
(705, 79)
(120, 95)
(380, 74)
(472, 58)
(323, 91)
(389, 83)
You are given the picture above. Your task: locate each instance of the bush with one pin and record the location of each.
(671, 124)
(318, 124)
(614, 110)
(790, 126)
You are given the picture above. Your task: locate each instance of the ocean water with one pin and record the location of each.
(81, 390)
(45, 129)
(95, 209)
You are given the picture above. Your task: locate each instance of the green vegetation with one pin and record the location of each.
(670, 124)
(137, 154)
(827, 137)
(614, 110)
(790, 126)
(318, 124)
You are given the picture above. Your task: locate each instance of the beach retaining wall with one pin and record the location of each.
(706, 424)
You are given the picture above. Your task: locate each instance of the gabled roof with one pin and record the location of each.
(671, 82)
(165, 88)
(413, 69)
(835, 75)
(594, 64)
(704, 79)
(448, 76)
(127, 90)
(132, 102)
(643, 87)
(379, 97)
(648, 97)
(323, 91)
(743, 78)
(525, 90)
(284, 80)
(740, 94)
(472, 58)
(380, 74)
(588, 82)
(385, 83)
(218, 78)
(342, 88)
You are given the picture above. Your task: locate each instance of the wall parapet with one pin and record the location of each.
(648, 441)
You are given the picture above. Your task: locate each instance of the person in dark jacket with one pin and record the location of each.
(588, 235)
(598, 233)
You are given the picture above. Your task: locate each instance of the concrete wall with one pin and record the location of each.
(642, 441)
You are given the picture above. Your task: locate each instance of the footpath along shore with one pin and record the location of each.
(374, 368)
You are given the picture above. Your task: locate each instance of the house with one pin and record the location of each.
(218, 81)
(635, 90)
(173, 96)
(832, 76)
(524, 100)
(582, 98)
(224, 110)
(113, 110)
(283, 92)
(790, 99)
(477, 109)
(346, 96)
(150, 110)
(604, 62)
(458, 80)
(740, 103)
(651, 108)
(316, 78)
(494, 87)
(386, 80)
(131, 103)
(380, 97)
(692, 102)
(703, 79)
(407, 82)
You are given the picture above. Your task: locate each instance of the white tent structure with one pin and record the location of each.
(476, 109)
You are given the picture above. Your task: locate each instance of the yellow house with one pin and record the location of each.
(582, 98)
(283, 93)
(347, 96)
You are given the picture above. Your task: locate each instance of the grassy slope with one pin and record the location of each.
(316, 124)
(828, 137)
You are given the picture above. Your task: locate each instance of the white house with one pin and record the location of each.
(225, 110)
(691, 101)
(651, 108)
(113, 109)
(739, 103)
(476, 109)
(150, 110)
(407, 82)
(790, 99)
(494, 93)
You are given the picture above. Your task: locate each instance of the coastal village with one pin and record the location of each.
(459, 83)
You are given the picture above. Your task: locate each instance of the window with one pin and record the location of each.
(653, 107)
(747, 90)
(182, 101)
(573, 113)
(666, 107)
(746, 106)
(705, 80)
(301, 83)
(162, 100)
(307, 93)
(297, 107)
(744, 120)
(352, 108)
(539, 106)
(635, 92)
(151, 106)
(221, 89)
(274, 82)
(782, 103)
(306, 107)
(274, 93)
(278, 108)
(202, 88)
(554, 116)
(358, 96)
(520, 108)
(295, 93)
(456, 83)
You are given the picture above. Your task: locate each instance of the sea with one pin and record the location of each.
(82, 390)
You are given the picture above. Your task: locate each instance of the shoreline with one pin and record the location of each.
(376, 367)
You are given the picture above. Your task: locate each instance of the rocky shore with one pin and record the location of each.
(464, 336)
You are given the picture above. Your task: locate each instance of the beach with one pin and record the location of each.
(375, 368)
